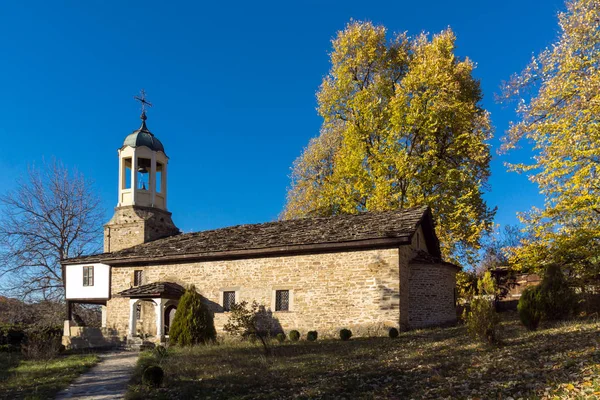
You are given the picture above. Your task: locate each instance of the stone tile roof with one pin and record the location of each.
(322, 232)
(155, 289)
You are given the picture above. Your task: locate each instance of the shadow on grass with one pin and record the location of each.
(421, 364)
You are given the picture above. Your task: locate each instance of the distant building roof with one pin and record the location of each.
(143, 137)
(337, 233)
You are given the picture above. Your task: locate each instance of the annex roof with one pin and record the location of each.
(155, 289)
(369, 229)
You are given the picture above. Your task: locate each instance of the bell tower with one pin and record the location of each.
(141, 214)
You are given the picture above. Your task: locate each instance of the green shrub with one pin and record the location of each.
(311, 336)
(393, 333)
(294, 336)
(280, 337)
(42, 342)
(12, 334)
(160, 352)
(345, 334)
(482, 320)
(193, 322)
(153, 376)
(531, 308)
(558, 298)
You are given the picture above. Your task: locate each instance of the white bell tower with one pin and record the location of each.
(143, 170)
(141, 214)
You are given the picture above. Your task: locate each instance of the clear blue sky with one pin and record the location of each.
(233, 86)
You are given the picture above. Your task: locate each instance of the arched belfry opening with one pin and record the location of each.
(141, 213)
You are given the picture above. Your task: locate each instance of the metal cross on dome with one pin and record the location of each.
(142, 99)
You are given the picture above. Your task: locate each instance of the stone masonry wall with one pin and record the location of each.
(132, 225)
(431, 295)
(359, 290)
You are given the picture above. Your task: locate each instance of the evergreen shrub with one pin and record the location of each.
(345, 334)
(193, 322)
(280, 337)
(311, 336)
(153, 376)
(483, 320)
(294, 335)
(531, 308)
(558, 298)
(393, 333)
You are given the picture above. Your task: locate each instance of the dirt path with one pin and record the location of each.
(107, 380)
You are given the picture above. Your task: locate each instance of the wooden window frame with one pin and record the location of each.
(88, 275)
(136, 281)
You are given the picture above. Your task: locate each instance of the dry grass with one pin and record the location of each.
(562, 361)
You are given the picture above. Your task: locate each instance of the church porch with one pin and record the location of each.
(159, 299)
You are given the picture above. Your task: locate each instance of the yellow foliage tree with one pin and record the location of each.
(559, 113)
(402, 126)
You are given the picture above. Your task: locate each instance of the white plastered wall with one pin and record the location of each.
(74, 279)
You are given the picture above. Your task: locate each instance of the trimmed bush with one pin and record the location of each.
(393, 333)
(482, 321)
(193, 322)
(345, 334)
(294, 336)
(311, 336)
(531, 308)
(280, 337)
(153, 376)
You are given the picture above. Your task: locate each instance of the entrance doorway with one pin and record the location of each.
(169, 316)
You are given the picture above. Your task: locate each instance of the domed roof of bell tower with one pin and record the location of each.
(143, 137)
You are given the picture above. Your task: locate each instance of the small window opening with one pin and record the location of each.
(138, 277)
(88, 276)
(282, 300)
(228, 300)
(159, 176)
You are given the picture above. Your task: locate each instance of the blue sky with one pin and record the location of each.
(233, 86)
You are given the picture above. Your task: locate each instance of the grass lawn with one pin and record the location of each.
(29, 379)
(561, 361)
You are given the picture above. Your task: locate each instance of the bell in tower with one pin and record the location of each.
(141, 214)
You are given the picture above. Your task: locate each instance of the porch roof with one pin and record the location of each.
(156, 289)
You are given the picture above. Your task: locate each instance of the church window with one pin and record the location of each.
(282, 300)
(228, 300)
(88, 276)
(138, 311)
(138, 277)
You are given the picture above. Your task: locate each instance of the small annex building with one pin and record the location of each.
(367, 272)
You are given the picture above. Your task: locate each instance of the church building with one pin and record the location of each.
(367, 272)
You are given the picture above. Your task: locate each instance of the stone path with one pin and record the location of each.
(107, 380)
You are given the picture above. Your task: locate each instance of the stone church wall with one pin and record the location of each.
(431, 295)
(360, 290)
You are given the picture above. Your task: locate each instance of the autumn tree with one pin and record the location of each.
(52, 215)
(402, 126)
(558, 105)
